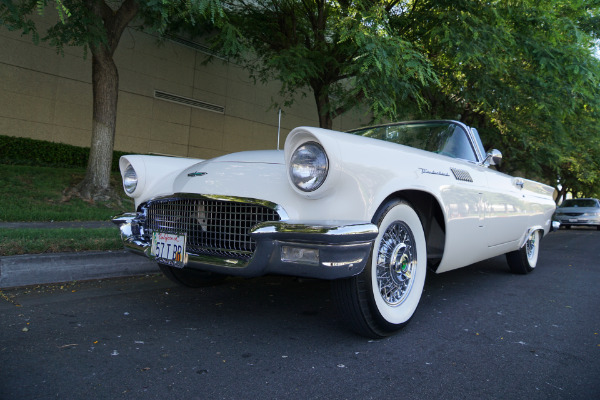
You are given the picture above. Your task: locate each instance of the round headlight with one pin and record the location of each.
(130, 179)
(308, 167)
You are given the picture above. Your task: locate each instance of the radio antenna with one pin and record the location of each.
(279, 129)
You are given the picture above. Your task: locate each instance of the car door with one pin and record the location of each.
(506, 214)
(463, 196)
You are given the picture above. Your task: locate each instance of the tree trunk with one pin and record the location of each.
(322, 100)
(105, 82)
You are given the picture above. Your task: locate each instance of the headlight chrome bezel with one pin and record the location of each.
(308, 167)
(130, 180)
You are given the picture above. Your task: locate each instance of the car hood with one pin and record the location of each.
(258, 156)
(251, 174)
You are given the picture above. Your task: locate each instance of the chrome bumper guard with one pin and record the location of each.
(337, 250)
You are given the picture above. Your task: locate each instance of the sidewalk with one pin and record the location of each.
(34, 269)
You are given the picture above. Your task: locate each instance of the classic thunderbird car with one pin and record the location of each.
(371, 210)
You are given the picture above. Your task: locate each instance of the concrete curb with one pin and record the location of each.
(34, 269)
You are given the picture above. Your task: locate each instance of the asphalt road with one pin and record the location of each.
(479, 333)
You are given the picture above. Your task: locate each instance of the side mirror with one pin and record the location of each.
(494, 157)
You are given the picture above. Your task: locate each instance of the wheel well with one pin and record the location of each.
(432, 218)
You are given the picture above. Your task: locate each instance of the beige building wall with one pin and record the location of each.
(48, 96)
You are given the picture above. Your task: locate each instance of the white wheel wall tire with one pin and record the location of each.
(524, 260)
(384, 297)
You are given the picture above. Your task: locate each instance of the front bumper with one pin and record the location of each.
(340, 250)
(583, 220)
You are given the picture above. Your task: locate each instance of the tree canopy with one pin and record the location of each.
(342, 52)
(97, 26)
(524, 72)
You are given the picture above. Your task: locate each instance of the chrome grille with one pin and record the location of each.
(213, 227)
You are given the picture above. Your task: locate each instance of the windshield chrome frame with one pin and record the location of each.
(474, 146)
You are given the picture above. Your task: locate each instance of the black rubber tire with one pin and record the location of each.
(519, 261)
(361, 306)
(190, 277)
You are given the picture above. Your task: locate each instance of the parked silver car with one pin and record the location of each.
(579, 212)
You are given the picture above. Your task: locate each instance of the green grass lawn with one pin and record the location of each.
(36, 241)
(34, 194)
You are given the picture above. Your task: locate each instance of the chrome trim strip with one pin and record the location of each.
(326, 234)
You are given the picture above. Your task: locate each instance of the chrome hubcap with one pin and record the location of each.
(396, 263)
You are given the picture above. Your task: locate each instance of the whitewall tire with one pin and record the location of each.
(385, 296)
(524, 260)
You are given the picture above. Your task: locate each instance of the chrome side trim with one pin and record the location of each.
(308, 232)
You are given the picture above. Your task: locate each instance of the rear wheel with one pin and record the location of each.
(383, 298)
(524, 260)
(191, 277)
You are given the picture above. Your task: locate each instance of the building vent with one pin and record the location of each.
(173, 98)
(195, 46)
(461, 175)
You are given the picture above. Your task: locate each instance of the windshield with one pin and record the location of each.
(444, 138)
(579, 203)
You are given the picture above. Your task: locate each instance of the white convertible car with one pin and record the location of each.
(372, 210)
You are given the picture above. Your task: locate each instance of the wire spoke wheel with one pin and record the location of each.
(385, 295)
(531, 247)
(396, 264)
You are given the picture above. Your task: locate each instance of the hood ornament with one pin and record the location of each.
(192, 174)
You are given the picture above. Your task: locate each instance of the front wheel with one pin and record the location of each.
(191, 277)
(524, 260)
(383, 298)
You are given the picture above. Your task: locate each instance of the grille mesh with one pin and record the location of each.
(213, 227)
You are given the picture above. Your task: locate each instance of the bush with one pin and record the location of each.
(24, 151)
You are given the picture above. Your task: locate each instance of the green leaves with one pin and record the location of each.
(344, 53)
(523, 73)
